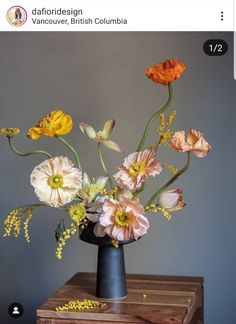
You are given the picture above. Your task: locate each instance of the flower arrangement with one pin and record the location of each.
(113, 204)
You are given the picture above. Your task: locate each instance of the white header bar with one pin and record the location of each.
(116, 15)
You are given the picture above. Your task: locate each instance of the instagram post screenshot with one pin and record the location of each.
(117, 141)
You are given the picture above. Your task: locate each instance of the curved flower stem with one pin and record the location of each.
(33, 205)
(73, 151)
(103, 164)
(157, 145)
(154, 116)
(27, 153)
(175, 177)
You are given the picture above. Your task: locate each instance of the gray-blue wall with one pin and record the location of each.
(94, 77)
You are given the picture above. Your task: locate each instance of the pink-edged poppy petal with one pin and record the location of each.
(178, 142)
(193, 136)
(201, 148)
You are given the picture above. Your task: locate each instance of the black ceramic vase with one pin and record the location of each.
(111, 276)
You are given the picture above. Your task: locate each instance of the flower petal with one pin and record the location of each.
(112, 145)
(201, 148)
(102, 181)
(108, 128)
(88, 130)
(99, 230)
(86, 181)
(193, 136)
(34, 133)
(143, 226)
(178, 142)
(93, 217)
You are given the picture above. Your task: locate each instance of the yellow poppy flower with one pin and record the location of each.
(56, 123)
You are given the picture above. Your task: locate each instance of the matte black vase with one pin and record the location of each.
(111, 276)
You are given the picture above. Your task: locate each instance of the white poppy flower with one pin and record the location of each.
(56, 181)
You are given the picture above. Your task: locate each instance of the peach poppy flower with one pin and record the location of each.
(123, 220)
(136, 169)
(165, 72)
(195, 143)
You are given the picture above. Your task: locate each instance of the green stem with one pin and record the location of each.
(27, 153)
(154, 116)
(175, 177)
(33, 205)
(103, 164)
(157, 145)
(73, 151)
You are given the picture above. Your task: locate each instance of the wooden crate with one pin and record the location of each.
(151, 299)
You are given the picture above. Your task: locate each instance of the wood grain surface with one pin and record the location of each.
(151, 299)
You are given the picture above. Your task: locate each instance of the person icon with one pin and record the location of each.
(15, 311)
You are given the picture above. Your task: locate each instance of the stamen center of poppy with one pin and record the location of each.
(56, 181)
(122, 218)
(136, 168)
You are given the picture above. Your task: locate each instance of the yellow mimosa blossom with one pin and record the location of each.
(74, 305)
(77, 213)
(171, 117)
(162, 130)
(162, 124)
(14, 220)
(170, 168)
(9, 131)
(66, 235)
(56, 123)
(155, 209)
(115, 243)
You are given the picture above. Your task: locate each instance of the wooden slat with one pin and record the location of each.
(117, 313)
(68, 321)
(88, 285)
(140, 278)
(130, 276)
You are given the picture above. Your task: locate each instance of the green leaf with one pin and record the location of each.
(59, 230)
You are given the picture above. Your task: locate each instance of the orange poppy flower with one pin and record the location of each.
(165, 72)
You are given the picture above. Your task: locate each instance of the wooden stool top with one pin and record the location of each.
(151, 299)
